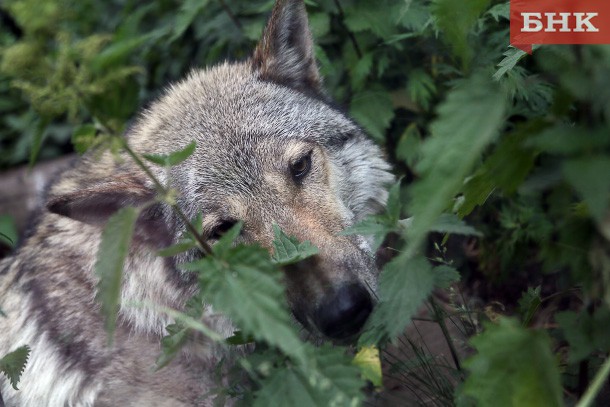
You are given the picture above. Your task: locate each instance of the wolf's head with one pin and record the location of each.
(271, 149)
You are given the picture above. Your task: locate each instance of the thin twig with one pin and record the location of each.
(231, 15)
(350, 34)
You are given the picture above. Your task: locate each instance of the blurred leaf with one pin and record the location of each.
(288, 250)
(585, 332)
(171, 344)
(328, 380)
(113, 249)
(421, 88)
(404, 284)
(528, 304)
(409, 145)
(449, 223)
(568, 140)
(513, 367)
(8, 231)
(587, 176)
(458, 138)
(456, 20)
(175, 158)
(368, 361)
(511, 57)
(178, 248)
(186, 15)
(39, 136)
(445, 276)
(83, 138)
(12, 364)
(373, 109)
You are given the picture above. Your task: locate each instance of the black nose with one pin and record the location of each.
(343, 312)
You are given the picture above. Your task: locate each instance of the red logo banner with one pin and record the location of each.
(559, 22)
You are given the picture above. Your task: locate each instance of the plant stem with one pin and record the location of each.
(595, 386)
(441, 322)
(205, 247)
(349, 33)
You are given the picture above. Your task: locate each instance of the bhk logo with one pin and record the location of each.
(559, 22)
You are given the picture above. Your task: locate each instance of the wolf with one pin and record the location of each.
(271, 148)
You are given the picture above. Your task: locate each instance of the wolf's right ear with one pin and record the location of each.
(285, 54)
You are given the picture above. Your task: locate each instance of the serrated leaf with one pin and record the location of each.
(505, 169)
(513, 367)
(458, 139)
(368, 361)
(328, 380)
(450, 223)
(171, 344)
(421, 88)
(175, 158)
(589, 177)
(374, 110)
(499, 11)
(111, 254)
(456, 19)
(288, 250)
(567, 140)
(178, 248)
(511, 57)
(585, 332)
(12, 364)
(244, 284)
(528, 304)
(404, 284)
(445, 275)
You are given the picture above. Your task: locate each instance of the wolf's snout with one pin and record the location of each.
(343, 312)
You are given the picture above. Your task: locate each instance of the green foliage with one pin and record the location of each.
(494, 146)
(8, 231)
(111, 255)
(175, 158)
(12, 364)
(288, 250)
(513, 366)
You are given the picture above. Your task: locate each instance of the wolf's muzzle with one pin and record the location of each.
(343, 312)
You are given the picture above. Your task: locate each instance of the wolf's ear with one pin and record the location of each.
(95, 202)
(285, 54)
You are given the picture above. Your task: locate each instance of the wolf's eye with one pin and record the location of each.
(222, 228)
(301, 167)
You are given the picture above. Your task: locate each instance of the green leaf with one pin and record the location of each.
(12, 364)
(585, 332)
(404, 284)
(456, 19)
(244, 284)
(567, 140)
(528, 304)
(175, 158)
(368, 361)
(511, 57)
(374, 110)
(83, 138)
(408, 148)
(587, 176)
(499, 11)
(421, 88)
(113, 249)
(171, 344)
(513, 367)
(178, 248)
(38, 137)
(459, 137)
(445, 275)
(186, 15)
(449, 223)
(288, 250)
(328, 380)
(505, 169)
(8, 231)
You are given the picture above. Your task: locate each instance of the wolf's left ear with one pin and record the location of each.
(285, 54)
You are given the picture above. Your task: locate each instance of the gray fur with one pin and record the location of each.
(250, 121)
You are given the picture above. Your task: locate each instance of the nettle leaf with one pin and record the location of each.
(450, 223)
(511, 57)
(459, 137)
(409, 145)
(177, 248)
(421, 88)
(13, 364)
(585, 332)
(456, 19)
(83, 138)
(588, 177)
(499, 11)
(111, 254)
(171, 344)
(380, 225)
(567, 140)
(368, 361)
(514, 366)
(329, 379)
(186, 15)
(445, 275)
(175, 158)
(288, 250)
(505, 169)
(404, 284)
(528, 304)
(244, 284)
(374, 110)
